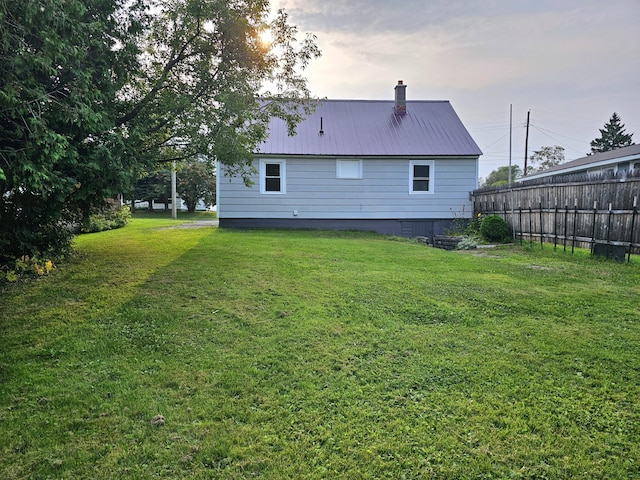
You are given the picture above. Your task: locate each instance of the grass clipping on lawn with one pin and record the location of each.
(205, 353)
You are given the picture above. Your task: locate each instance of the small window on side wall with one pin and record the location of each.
(421, 177)
(349, 169)
(272, 177)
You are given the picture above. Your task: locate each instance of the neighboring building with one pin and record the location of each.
(614, 162)
(395, 167)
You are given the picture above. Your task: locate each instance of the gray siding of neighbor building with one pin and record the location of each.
(619, 160)
(315, 198)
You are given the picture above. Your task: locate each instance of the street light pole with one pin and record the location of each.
(174, 207)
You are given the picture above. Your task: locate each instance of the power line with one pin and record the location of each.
(496, 141)
(543, 130)
(549, 134)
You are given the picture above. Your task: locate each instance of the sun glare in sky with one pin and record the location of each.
(266, 37)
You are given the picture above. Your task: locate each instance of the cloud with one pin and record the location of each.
(384, 16)
(577, 58)
(473, 44)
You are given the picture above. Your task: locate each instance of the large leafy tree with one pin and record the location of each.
(92, 92)
(201, 66)
(152, 186)
(544, 158)
(197, 181)
(500, 176)
(612, 136)
(59, 74)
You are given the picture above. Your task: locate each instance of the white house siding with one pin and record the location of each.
(314, 192)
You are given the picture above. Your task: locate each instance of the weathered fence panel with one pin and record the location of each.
(571, 212)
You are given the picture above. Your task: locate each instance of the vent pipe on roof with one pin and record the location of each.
(321, 132)
(401, 98)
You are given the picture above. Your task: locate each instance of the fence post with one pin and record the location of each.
(566, 220)
(555, 225)
(541, 223)
(593, 227)
(520, 222)
(530, 226)
(609, 231)
(633, 222)
(575, 219)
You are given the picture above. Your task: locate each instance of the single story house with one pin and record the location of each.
(396, 167)
(613, 162)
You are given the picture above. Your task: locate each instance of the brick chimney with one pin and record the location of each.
(401, 98)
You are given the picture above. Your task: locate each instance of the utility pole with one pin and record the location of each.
(174, 207)
(510, 136)
(526, 143)
(513, 219)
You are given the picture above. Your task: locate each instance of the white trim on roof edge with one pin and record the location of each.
(582, 168)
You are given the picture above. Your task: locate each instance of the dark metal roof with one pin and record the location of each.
(595, 160)
(372, 128)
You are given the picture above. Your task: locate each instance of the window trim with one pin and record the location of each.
(263, 176)
(341, 177)
(431, 165)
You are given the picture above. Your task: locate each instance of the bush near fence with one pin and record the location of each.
(572, 211)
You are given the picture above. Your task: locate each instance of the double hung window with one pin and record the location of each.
(420, 176)
(272, 176)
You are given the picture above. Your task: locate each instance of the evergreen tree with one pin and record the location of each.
(612, 136)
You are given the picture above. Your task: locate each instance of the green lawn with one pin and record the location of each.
(280, 354)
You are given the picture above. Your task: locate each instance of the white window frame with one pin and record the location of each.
(263, 176)
(342, 175)
(431, 165)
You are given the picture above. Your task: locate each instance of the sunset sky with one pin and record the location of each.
(572, 63)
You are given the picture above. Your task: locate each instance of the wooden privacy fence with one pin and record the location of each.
(596, 213)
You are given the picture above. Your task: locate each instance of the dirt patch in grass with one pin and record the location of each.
(196, 224)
